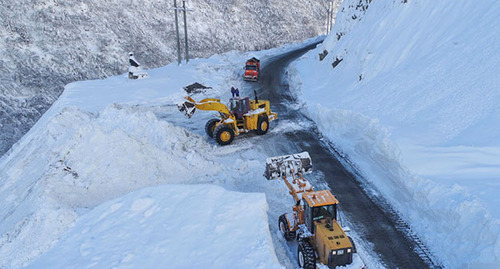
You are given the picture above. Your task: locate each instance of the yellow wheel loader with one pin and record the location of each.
(313, 223)
(242, 115)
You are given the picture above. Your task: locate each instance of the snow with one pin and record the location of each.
(109, 177)
(170, 226)
(413, 105)
(44, 45)
(255, 112)
(100, 176)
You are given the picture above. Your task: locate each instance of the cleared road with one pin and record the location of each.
(372, 219)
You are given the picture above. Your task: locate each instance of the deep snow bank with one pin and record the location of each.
(102, 139)
(46, 44)
(413, 103)
(83, 159)
(170, 226)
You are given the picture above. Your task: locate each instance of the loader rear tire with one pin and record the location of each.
(262, 125)
(305, 255)
(224, 135)
(285, 228)
(210, 127)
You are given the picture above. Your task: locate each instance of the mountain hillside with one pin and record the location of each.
(46, 44)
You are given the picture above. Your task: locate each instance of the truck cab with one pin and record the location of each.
(252, 69)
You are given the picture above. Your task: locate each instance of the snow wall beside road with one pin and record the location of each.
(413, 103)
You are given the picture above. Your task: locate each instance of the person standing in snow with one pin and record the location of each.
(237, 92)
(233, 91)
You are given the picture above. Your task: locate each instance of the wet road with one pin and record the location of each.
(371, 217)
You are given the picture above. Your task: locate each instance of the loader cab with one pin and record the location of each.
(239, 106)
(319, 205)
(332, 245)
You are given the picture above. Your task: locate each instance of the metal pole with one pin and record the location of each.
(331, 17)
(177, 32)
(185, 31)
(328, 17)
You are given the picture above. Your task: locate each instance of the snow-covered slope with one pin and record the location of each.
(105, 138)
(45, 45)
(170, 226)
(413, 102)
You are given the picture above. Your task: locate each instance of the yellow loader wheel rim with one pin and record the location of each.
(264, 126)
(225, 136)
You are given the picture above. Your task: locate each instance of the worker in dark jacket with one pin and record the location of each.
(233, 91)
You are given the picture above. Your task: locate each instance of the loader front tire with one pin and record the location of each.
(224, 135)
(210, 127)
(353, 246)
(306, 256)
(285, 228)
(262, 125)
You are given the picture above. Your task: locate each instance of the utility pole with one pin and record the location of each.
(328, 17)
(184, 9)
(331, 15)
(185, 31)
(177, 32)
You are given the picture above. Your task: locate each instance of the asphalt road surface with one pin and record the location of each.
(371, 217)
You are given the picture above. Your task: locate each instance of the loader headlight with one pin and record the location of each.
(349, 250)
(334, 252)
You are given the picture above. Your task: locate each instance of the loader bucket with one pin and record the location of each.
(277, 167)
(188, 108)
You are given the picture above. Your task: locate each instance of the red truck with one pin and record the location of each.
(252, 70)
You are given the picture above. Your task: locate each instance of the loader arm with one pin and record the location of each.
(211, 104)
(208, 104)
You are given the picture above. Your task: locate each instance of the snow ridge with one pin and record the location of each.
(171, 226)
(45, 45)
(413, 105)
(78, 176)
(104, 139)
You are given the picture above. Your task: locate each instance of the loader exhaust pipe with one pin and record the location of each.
(277, 167)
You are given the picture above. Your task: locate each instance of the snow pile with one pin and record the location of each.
(45, 45)
(82, 160)
(105, 138)
(171, 226)
(408, 93)
(96, 150)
